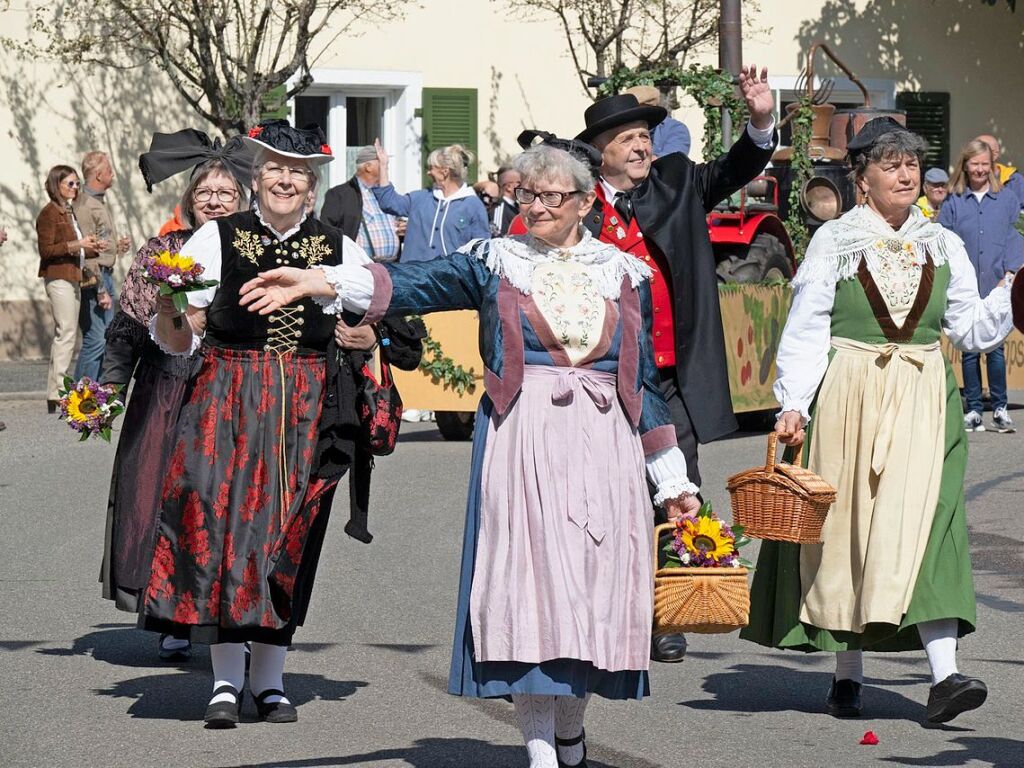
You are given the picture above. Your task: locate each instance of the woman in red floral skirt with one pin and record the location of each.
(241, 494)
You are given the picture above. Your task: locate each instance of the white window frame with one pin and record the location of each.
(401, 126)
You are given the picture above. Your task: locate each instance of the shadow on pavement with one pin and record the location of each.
(425, 753)
(757, 688)
(994, 752)
(184, 697)
(124, 646)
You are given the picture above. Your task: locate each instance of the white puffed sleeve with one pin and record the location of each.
(972, 323)
(204, 247)
(803, 349)
(352, 282)
(354, 286)
(667, 471)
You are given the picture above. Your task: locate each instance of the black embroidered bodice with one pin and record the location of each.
(248, 247)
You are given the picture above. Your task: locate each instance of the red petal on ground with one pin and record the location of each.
(869, 739)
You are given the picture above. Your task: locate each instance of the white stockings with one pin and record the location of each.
(266, 669)
(541, 718)
(939, 640)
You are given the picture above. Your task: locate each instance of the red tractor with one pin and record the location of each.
(750, 242)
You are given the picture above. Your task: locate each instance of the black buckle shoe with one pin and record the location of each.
(224, 714)
(276, 712)
(174, 654)
(572, 743)
(668, 649)
(843, 698)
(954, 695)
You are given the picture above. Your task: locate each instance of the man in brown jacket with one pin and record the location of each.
(97, 307)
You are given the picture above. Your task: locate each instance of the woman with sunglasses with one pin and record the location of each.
(555, 597)
(62, 252)
(160, 381)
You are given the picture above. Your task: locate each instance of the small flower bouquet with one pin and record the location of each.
(175, 275)
(90, 407)
(700, 582)
(705, 541)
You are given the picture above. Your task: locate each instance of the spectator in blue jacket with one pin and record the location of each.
(668, 136)
(443, 219)
(983, 213)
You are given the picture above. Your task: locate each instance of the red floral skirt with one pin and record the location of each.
(238, 500)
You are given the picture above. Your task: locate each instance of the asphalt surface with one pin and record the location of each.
(82, 687)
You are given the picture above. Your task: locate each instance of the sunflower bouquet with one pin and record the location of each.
(175, 275)
(705, 541)
(89, 407)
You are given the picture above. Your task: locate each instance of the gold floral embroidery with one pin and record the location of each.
(249, 245)
(313, 249)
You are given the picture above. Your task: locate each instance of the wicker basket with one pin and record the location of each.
(780, 502)
(701, 600)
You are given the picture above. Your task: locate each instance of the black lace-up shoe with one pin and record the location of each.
(954, 695)
(843, 698)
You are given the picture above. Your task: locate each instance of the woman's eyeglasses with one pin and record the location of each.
(271, 171)
(203, 195)
(72, 184)
(548, 199)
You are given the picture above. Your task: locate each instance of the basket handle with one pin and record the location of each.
(773, 443)
(658, 530)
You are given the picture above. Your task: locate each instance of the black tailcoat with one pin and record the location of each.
(671, 207)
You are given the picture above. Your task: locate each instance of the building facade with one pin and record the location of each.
(472, 71)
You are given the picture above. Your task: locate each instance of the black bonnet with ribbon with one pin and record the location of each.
(172, 153)
(582, 151)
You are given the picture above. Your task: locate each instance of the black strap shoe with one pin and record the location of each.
(668, 649)
(843, 698)
(276, 712)
(954, 695)
(174, 654)
(572, 743)
(223, 714)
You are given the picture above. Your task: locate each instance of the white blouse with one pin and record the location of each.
(973, 324)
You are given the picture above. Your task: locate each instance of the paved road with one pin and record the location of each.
(82, 687)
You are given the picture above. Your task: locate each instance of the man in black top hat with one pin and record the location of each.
(656, 210)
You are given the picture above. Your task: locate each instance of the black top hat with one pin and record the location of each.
(872, 131)
(618, 110)
(281, 138)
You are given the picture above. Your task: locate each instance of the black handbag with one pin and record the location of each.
(379, 407)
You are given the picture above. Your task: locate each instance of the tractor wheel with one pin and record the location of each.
(455, 425)
(764, 261)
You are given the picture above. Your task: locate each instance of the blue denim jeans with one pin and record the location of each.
(94, 321)
(995, 365)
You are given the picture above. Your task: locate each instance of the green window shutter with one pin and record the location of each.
(449, 117)
(928, 116)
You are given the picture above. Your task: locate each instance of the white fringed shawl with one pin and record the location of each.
(836, 250)
(514, 258)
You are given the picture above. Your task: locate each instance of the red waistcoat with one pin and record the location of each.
(631, 240)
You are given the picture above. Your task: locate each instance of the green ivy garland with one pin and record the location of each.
(801, 169)
(442, 369)
(709, 87)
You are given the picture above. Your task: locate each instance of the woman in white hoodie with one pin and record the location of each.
(443, 219)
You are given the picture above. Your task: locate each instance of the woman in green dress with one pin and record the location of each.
(861, 372)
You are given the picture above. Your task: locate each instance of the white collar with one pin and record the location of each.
(610, 192)
(515, 258)
(281, 236)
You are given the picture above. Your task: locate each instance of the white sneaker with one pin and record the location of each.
(1002, 422)
(973, 422)
(411, 414)
(427, 416)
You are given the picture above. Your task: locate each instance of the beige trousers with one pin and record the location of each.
(64, 299)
